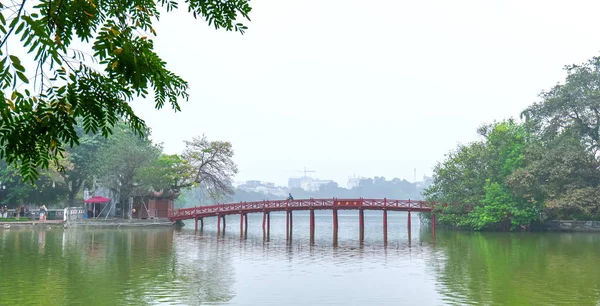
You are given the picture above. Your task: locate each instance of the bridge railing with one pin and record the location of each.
(298, 203)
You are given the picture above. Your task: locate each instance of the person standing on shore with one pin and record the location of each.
(43, 211)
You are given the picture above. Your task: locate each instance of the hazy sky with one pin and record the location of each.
(364, 87)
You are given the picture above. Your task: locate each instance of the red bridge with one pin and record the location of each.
(265, 207)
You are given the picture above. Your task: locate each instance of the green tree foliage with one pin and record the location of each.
(80, 163)
(166, 173)
(14, 191)
(126, 164)
(473, 179)
(574, 106)
(546, 168)
(558, 173)
(123, 160)
(46, 91)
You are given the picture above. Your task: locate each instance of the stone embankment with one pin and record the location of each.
(14, 224)
(119, 223)
(573, 226)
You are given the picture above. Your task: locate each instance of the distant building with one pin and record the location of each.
(252, 184)
(294, 183)
(263, 187)
(353, 182)
(427, 181)
(317, 184)
(310, 184)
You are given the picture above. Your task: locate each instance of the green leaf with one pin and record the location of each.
(22, 77)
(20, 28)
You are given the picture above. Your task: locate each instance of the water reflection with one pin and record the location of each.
(168, 266)
(518, 269)
(108, 267)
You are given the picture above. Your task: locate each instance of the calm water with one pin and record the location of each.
(177, 267)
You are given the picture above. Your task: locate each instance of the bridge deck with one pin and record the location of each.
(301, 204)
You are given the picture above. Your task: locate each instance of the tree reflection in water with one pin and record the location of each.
(109, 267)
(517, 269)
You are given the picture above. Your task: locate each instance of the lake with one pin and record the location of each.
(166, 266)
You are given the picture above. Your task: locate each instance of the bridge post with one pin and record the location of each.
(218, 225)
(201, 224)
(385, 226)
(409, 230)
(196, 224)
(224, 224)
(264, 224)
(241, 225)
(287, 224)
(312, 226)
(335, 227)
(433, 225)
(291, 224)
(246, 225)
(268, 225)
(361, 223)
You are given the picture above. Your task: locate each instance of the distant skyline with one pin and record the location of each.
(342, 181)
(351, 88)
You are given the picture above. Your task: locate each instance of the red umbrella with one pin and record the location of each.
(97, 200)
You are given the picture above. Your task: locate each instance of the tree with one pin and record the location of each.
(573, 105)
(558, 174)
(166, 173)
(47, 190)
(473, 179)
(48, 90)
(212, 165)
(459, 180)
(80, 163)
(123, 159)
(563, 170)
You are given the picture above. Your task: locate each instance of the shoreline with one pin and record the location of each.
(28, 223)
(111, 223)
(565, 226)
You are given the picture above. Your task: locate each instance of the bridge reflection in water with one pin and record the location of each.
(289, 206)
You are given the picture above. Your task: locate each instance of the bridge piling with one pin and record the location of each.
(201, 224)
(268, 225)
(291, 224)
(287, 225)
(385, 227)
(433, 225)
(241, 225)
(361, 223)
(246, 225)
(312, 226)
(218, 225)
(335, 227)
(196, 224)
(224, 224)
(408, 226)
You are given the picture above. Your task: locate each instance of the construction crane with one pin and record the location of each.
(306, 171)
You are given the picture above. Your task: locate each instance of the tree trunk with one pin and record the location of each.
(73, 191)
(71, 202)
